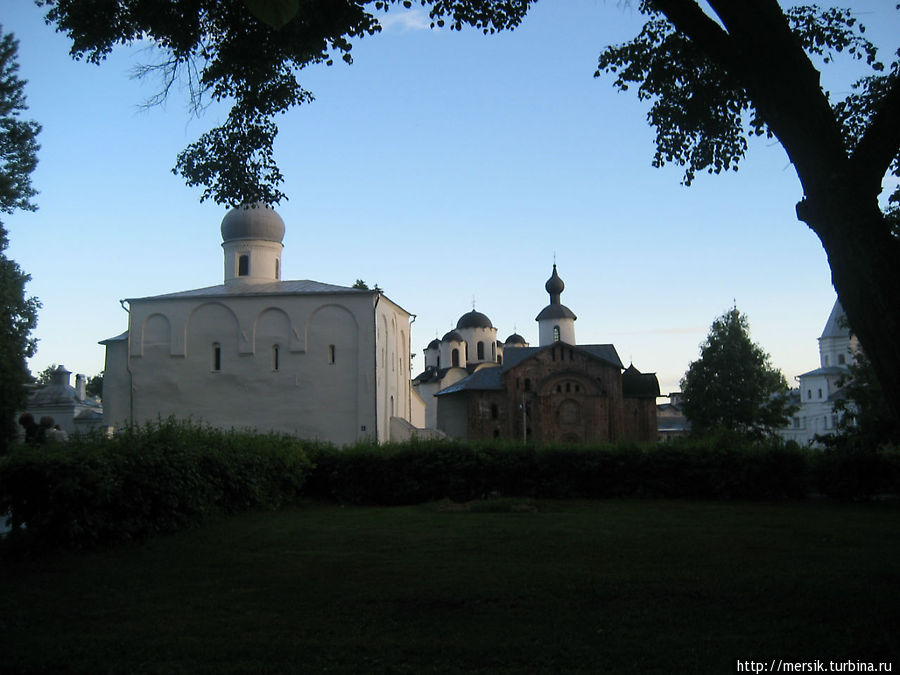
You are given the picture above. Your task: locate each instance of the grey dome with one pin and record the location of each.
(554, 285)
(254, 221)
(452, 336)
(434, 344)
(515, 339)
(474, 319)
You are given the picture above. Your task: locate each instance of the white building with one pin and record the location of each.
(302, 357)
(819, 389)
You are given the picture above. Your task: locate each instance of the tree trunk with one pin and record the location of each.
(865, 270)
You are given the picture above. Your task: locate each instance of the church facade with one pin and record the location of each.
(818, 390)
(478, 388)
(302, 357)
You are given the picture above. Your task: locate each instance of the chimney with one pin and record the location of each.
(80, 383)
(60, 376)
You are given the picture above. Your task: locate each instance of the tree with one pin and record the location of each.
(715, 79)
(94, 385)
(863, 418)
(362, 285)
(45, 377)
(18, 314)
(733, 385)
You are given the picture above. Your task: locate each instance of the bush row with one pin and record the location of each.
(143, 481)
(718, 468)
(169, 475)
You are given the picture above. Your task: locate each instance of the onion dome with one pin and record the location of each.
(434, 344)
(515, 339)
(452, 336)
(253, 221)
(474, 319)
(554, 286)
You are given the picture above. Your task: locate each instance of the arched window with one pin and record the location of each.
(331, 354)
(454, 356)
(480, 348)
(556, 333)
(527, 384)
(277, 268)
(841, 359)
(244, 265)
(493, 351)
(500, 359)
(275, 355)
(216, 357)
(495, 411)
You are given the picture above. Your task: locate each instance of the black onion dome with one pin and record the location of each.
(554, 285)
(451, 336)
(474, 319)
(515, 339)
(434, 344)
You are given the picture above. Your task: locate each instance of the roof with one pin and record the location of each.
(512, 356)
(253, 221)
(300, 287)
(121, 337)
(452, 336)
(484, 379)
(827, 370)
(836, 326)
(474, 319)
(555, 311)
(636, 384)
(515, 339)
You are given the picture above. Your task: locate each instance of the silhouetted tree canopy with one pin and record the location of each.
(733, 386)
(18, 314)
(715, 75)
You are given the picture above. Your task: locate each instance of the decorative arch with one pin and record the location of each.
(156, 333)
(272, 326)
(212, 322)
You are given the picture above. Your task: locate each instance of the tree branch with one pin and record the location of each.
(689, 19)
(880, 143)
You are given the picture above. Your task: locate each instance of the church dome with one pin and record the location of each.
(474, 319)
(452, 336)
(554, 285)
(515, 339)
(254, 221)
(434, 344)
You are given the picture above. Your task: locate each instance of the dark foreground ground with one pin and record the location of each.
(498, 587)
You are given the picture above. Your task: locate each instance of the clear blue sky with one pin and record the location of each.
(442, 166)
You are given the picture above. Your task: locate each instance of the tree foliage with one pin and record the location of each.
(249, 55)
(733, 386)
(18, 314)
(863, 418)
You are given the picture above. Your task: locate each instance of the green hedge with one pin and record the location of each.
(143, 480)
(718, 468)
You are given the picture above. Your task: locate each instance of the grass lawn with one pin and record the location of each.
(501, 587)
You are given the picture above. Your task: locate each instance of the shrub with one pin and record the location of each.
(715, 468)
(144, 480)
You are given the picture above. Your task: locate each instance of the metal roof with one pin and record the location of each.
(300, 287)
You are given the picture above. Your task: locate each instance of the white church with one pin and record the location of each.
(819, 389)
(302, 357)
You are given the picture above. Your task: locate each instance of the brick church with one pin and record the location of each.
(476, 387)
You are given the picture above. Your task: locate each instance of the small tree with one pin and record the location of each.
(732, 385)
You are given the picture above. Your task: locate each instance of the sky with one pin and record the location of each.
(450, 168)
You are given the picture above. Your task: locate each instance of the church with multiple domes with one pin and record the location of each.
(302, 357)
(476, 387)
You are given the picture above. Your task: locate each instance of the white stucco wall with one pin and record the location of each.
(335, 378)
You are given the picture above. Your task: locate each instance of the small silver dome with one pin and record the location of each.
(253, 221)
